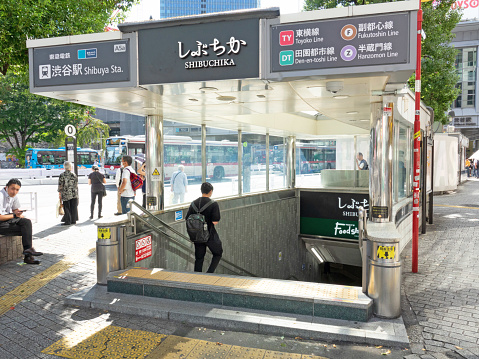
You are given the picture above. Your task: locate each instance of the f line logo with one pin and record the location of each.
(44, 72)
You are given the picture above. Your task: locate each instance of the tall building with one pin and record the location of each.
(466, 105)
(174, 8)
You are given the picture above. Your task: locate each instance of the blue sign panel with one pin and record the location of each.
(178, 215)
(86, 54)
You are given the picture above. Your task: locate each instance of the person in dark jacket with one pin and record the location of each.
(68, 193)
(212, 216)
(96, 180)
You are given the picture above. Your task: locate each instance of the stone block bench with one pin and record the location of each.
(10, 248)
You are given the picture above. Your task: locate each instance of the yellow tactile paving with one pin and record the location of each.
(206, 349)
(245, 353)
(23, 291)
(111, 342)
(257, 285)
(173, 347)
(115, 342)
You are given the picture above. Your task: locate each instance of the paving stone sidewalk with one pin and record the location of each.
(441, 302)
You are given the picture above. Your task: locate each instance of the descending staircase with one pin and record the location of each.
(293, 297)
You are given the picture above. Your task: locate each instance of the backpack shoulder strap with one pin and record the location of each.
(193, 205)
(206, 205)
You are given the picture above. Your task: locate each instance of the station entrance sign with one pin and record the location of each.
(85, 63)
(355, 41)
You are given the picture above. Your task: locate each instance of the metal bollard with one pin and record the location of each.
(107, 253)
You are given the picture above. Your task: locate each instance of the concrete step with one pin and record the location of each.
(284, 296)
(377, 331)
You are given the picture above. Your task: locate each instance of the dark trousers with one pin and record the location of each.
(93, 200)
(216, 248)
(18, 227)
(71, 211)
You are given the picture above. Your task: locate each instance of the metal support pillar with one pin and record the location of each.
(204, 162)
(290, 162)
(384, 262)
(267, 161)
(380, 169)
(240, 163)
(155, 199)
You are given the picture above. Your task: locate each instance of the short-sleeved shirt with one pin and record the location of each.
(8, 204)
(212, 213)
(363, 165)
(96, 179)
(68, 185)
(126, 175)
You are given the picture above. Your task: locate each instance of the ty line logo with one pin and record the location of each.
(286, 38)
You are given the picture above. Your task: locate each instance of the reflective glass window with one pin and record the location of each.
(254, 162)
(277, 161)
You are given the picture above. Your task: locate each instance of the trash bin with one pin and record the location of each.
(107, 253)
(384, 285)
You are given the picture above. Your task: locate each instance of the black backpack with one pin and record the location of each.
(196, 225)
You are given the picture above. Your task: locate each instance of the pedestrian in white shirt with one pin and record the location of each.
(126, 191)
(12, 221)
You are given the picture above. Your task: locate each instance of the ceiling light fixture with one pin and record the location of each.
(318, 255)
(352, 112)
(208, 88)
(226, 98)
(340, 97)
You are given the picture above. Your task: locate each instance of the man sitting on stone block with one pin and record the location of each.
(12, 221)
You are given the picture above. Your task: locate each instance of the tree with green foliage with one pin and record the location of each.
(438, 72)
(90, 131)
(26, 19)
(27, 118)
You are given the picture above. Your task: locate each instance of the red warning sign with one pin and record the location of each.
(142, 248)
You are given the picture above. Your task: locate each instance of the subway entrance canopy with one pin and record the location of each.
(307, 75)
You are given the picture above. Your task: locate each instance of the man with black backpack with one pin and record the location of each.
(202, 216)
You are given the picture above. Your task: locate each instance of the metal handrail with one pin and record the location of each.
(158, 230)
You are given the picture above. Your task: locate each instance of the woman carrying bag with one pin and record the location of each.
(96, 180)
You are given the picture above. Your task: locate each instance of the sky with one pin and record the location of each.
(146, 8)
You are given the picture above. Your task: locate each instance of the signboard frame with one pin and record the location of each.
(267, 67)
(88, 39)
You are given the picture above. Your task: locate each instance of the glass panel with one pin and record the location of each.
(312, 157)
(182, 163)
(277, 160)
(222, 161)
(254, 162)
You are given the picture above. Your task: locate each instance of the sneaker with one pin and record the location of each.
(91, 217)
(100, 216)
